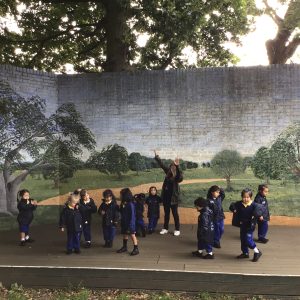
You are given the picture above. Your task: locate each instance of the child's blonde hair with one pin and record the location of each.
(72, 198)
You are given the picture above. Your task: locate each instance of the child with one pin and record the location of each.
(71, 219)
(86, 207)
(139, 200)
(247, 211)
(26, 206)
(215, 197)
(109, 210)
(153, 201)
(263, 225)
(205, 232)
(127, 210)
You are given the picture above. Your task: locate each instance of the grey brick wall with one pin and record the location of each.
(27, 83)
(190, 113)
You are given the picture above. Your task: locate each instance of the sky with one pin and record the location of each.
(252, 51)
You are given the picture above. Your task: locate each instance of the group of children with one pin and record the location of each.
(246, 214)
(77, 212)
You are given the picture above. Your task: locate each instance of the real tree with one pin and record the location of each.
(102, 35)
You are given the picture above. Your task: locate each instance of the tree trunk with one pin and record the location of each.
(117, 32)
(228, 183)
(3, 200)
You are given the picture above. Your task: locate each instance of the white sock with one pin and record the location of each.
(210, 253)
(22, 239)
(200, 251)
(27, 237)
(256, 250)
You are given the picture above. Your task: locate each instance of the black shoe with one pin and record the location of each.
(150, 231)
(77, 251)
(135, 251)
(262, 240)
(69, 251)
(110, 244)
(105, 245)
(121, 250)
(143, 232)
(217, 245)
(22, 243)
(197, 254)
(243, 255)
(256, 256)
(208, 256)
(87, 245)
(30, 240)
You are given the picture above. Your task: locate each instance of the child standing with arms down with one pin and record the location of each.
(71, 219)
(261, 198)
(153, 201)
(215, 197)
(139, 200)
(109, 210)
(128, 220)
(26, 206)
(247, 212)
(86, 207)
(205, 232)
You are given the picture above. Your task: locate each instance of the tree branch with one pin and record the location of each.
(292, 46)
(272, 13)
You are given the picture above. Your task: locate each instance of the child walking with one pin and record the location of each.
(128, 220)
(139, 200)
(261, 198)
(86, 207)
(109, 210)
(71, 219)
(153, 201)
(205, 232)
(247, 212)
(215, 197)
(26, 206)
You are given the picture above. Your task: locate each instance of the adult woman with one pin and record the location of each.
(170, 193)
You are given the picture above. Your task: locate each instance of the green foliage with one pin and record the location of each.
(88, 33)
(261, 164)
(136, 162)
(16, 292)
(226, 164)
(111, 160)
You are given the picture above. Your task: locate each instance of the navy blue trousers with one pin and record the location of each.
(109, 232)
(204, 246)
(86, 229)
(219, 230)
(262, 228)
(73, 240)
(152, 223)
(247, 241)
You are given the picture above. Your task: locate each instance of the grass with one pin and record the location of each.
(18, 292)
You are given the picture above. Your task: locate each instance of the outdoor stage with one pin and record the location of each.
(164, 263)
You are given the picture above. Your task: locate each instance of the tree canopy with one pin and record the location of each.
(103, 35)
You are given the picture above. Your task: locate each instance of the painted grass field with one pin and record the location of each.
(284, 199)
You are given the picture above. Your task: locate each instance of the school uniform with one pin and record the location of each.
(247, 215)
(25, 215)
(205, 231)
(87, 208)
(71, 219)
(264, 224)
(110, 219)
(216, 206)
(139, 211)
(153, 211)
(128, 218)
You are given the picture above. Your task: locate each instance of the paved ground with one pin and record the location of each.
(280, 255)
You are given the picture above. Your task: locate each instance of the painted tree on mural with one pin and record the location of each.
(27, 134)
(283, 46)
(102, 35)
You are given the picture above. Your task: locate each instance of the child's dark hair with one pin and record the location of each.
(212, 189)
(21, 194)
(77, 192)
(200, 202)
(83, 193)
(261, 187)
(139, 197)
(126, 195)
(247, 191)
(108, 193)
(152, 187)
